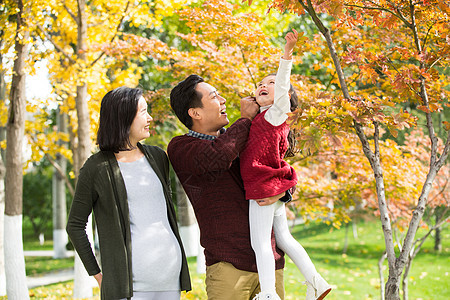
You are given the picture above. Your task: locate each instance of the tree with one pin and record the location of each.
(60, 238)
(2, 221)
(407, 69)
(14, 258)
(2, 174)
(81, 73)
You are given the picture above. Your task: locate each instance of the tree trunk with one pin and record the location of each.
(2, 183)
(16, 284)
(186, 220)
(396, 265)
(60, 238)
(393, 288)
(380, 273)
(437, 235)
(405, 278)
(82, 282)
(2, 221)
(344, 251)
(189, 231)
(355, 230)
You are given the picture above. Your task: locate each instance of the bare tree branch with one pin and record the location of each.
(60, 172)
(326, 33)
(247, 66)
(398, 15)
(376, 139)
(57, 47)
(56, 166)
(115, 35)
(445, 152)
(71, 14)
(380, 273)
(420, 241)
(428, 32)
(413, 26)
(398, 72)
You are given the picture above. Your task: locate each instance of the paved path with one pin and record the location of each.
(44, 253)
(51, 277)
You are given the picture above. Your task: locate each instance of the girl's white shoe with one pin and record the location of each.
(318, 289)
(267, 295)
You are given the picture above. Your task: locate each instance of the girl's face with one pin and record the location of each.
(265, 91)
(140, 128)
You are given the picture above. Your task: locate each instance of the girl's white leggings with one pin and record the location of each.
(262, 220)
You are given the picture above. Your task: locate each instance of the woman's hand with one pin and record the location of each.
(99, 278)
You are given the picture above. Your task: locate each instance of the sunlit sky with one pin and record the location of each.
(38, 86)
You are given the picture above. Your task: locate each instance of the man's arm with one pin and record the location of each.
(203, 156)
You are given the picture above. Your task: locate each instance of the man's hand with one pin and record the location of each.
(269, 200)
(249, 107)
(291, 40)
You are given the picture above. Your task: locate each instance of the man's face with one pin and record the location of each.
(213, 114)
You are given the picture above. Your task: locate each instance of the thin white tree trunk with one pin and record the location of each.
(2, 222)
(380, 274)
(355, 230)
(83, 283)
(16, 282)
(60, 238)
(189, 231)
(82, 279)
(2, 186)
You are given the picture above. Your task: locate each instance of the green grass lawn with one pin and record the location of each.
(35, 265)
(353, 275)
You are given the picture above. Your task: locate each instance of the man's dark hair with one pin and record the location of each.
(184, 96)
(117, 112)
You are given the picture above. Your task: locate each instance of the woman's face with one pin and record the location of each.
(140, 128)
(265, 92)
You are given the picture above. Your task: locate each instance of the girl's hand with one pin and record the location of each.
(269, 200)
(291, 39)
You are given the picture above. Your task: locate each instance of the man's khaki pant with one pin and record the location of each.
(225, 282)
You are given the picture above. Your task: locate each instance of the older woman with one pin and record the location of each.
(127, 186)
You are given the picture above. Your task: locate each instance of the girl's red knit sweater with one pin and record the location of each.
(263, 169)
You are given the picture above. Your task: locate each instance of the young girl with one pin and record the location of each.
(266, 174)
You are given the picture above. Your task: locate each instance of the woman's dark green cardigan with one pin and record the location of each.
(101, 188)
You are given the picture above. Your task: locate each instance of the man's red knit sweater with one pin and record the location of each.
(209, 173)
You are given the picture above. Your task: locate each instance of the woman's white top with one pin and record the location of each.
(155, 252)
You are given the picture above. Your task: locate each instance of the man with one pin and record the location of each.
(206, 160)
